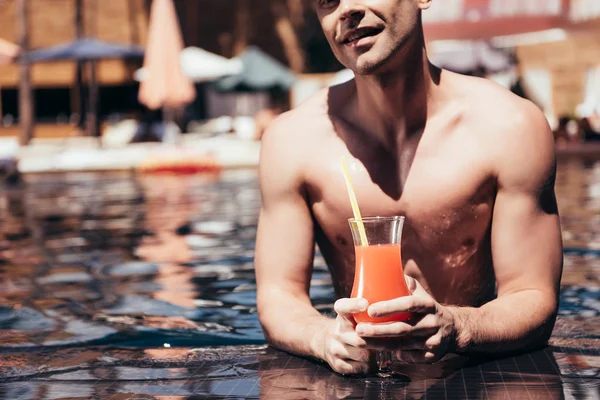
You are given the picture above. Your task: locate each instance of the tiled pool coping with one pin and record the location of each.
(565, 369)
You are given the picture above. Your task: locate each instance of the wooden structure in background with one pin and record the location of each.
(484, 19)
(567, 61)
(228, 27)
(284, 29)
(25, 91)
(35, 24)
(52, 22)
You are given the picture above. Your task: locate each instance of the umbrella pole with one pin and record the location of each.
(93, 112)
(79, 72)
(26, 105)
(171, 135)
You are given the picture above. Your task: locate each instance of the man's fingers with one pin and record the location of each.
(350, 367)
(391, 329)
(414, 304)
(425, 328)
(356, 354)
(351, 338)
(412, 283)
(349, 353)
(347, 307)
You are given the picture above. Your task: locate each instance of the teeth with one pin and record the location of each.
(359, 35)
(354, 37)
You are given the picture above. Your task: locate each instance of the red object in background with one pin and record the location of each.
(484, 19)
(181, 169)
(179, 161)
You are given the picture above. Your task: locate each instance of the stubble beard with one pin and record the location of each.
(384, 62)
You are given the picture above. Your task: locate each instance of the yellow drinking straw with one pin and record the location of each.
(354, 203)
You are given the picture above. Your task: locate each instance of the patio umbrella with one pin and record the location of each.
(260, 72)
(85, 50)
(90, 50)
(202, 66)
(166, 85)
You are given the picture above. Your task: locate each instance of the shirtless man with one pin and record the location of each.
(469, 164)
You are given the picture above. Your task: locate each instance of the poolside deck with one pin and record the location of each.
(253, 372)
(73, 153)
(76, 154)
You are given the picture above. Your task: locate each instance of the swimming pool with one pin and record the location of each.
(120, 285)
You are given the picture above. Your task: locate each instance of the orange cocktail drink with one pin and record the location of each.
(379, 275)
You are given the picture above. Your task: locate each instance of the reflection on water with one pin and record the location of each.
(135, 261)
(578, 193)
(146, 263)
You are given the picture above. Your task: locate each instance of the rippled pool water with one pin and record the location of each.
(139, 262)
(134, 261)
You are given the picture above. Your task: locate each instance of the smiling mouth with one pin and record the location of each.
(360, 33)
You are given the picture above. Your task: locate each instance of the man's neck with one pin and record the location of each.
(395, 104)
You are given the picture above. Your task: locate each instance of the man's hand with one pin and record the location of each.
(344, 350)
(425, 338)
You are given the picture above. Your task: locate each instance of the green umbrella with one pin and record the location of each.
(260, 72)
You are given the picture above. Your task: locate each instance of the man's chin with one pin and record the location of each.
(379, 59)
(367, 66)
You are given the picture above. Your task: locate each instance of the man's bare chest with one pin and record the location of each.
(446, 198)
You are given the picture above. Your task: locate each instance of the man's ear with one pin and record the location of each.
(424, 4)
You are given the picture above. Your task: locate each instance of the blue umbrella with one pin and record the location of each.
(84, 50)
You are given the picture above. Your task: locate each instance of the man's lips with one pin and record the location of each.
(355, 35)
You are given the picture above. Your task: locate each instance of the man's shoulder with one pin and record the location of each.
(305, 122)
(503, 111)
(294, 135)
(499, 117)
(514, 130)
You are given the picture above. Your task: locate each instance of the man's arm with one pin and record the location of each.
(526, 246)
(285, 249)
(284, 259)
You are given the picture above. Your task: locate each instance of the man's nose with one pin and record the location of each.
(351, 9)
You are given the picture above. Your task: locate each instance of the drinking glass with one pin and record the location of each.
(379, 275)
